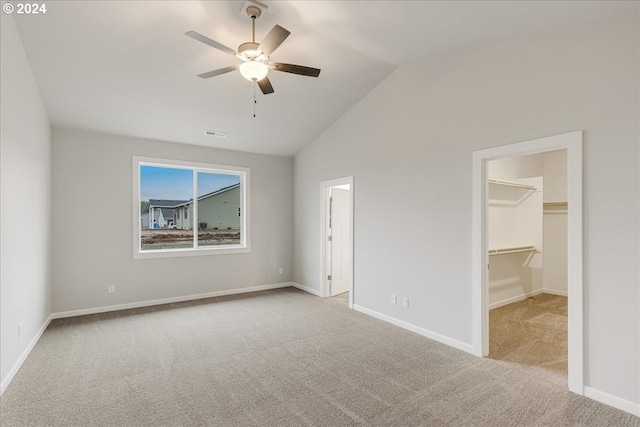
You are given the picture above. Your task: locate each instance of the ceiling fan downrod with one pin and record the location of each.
(254, 13)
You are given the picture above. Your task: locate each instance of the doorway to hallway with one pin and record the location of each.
(337, 238)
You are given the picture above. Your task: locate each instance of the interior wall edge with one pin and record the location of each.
(161, 301)
(443, 339)
(312, 291)
(27, 351)
(611, 400)
(518, 298)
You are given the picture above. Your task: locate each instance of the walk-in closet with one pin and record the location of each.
(527, 240)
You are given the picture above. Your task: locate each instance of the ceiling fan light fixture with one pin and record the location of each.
(253, 70)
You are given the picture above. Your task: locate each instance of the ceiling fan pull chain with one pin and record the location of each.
(255, 101)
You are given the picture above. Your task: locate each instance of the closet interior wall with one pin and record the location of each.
(527, 227)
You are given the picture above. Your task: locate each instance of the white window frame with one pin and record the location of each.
(196, 167)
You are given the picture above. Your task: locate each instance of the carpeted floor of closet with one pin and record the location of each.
(531, 332)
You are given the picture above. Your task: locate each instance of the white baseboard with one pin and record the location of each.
(611, 400)
(418, 330)
(16, 366)
(149, 303)
(555, 292)
(306, 289)
(515, 299)
(525, 296)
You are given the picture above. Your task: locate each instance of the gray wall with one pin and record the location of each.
(409, 144)
(92, 186)
(25, 150)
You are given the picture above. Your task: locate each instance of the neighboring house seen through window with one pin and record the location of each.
(215, 195)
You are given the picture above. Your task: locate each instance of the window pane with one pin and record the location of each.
(165, 195)
(219, 219)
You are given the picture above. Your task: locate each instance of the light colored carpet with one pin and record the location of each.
(275, 358)
(531, 332)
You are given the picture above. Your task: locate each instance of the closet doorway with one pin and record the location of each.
(508, 260)
(527, 240)
(337, 239)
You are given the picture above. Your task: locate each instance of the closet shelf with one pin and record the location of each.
(512, 250)
(512, 184)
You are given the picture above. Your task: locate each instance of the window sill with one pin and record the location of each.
(189, 252)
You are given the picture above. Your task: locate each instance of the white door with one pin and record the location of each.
(339, 243)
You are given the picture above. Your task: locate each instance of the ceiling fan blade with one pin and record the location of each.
(276, 36)
(217, 72)
(265, 86)
(296, 69)
(208, 41)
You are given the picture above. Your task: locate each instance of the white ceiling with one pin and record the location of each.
(125, 67)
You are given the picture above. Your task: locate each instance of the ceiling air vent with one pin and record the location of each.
(215, 133)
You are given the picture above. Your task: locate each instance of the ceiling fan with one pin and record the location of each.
(255, 56)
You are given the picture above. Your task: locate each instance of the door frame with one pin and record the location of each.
(324, 192)
(572, 142)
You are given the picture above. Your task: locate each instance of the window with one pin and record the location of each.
(214, 194)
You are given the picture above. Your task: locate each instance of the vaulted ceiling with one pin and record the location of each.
(126, 67)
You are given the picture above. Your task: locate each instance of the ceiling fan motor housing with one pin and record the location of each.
(249, 50)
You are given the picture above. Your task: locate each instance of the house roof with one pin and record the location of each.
(163, 203)
(213, 193)
(222, 190)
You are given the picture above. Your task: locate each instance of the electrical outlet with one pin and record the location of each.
(405, 302)
(111, 289)
(19, 330)
(393, 299)
(280, 270)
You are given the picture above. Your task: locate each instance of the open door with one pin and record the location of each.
(339, 240)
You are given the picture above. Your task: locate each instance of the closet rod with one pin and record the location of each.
(512, 184)
(564, 205)
(512, 250)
